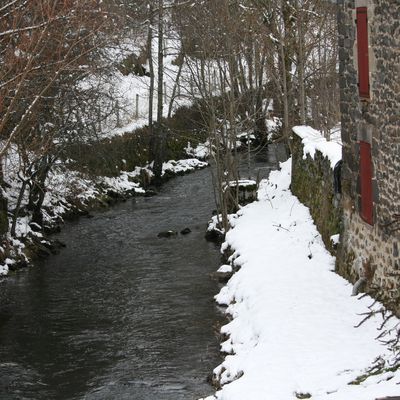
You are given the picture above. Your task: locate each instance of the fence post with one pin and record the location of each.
(137, 107)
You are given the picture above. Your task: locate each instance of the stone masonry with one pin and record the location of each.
(313, 184)
(377, 122)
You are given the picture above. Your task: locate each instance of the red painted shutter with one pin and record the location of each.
(366, 182)
(362, 52)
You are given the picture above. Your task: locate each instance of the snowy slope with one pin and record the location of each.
(128, 89)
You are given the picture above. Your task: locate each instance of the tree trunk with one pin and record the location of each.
(285, 100)
(175, 88)
(159, 136)
(18, 207)
(38, 190)
(151, 71)
(301, 65)
(260, 125)
(3, 206)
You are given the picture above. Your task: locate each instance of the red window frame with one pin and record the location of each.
(366, 211)
(362, 52)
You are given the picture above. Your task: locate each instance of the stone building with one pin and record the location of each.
(369, 54)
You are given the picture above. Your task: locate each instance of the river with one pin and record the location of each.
(119, 313)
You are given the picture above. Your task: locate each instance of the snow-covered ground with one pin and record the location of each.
(132, 91)
(292, 333)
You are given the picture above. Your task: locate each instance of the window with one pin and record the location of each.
(362, 52)
(366, 182)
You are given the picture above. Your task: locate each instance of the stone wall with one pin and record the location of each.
(376, 121)
(313, 184)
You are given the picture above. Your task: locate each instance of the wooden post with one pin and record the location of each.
(137, 107)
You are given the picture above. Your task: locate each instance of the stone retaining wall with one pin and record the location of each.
(313, 184)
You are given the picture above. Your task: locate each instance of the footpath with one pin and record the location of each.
(292, 330)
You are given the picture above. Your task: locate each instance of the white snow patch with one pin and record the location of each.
(201, 151)
(314, 140)
(225, 269)
(189, 164)
(3, 270)
(242, 183)
(124, 182)
(335, 239)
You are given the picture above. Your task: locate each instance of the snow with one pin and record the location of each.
(292, 329)
(225, 269)
(273, 125)
(242, 183)
(124, 182)
(3, 270)
(201, 151)
(245, 135)
(314, 140)
(335, 239)
(215, 225)
(128, 88)
(180, 166)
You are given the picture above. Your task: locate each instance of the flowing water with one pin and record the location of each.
(119, 313)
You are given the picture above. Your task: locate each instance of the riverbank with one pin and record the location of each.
(69, 195)
(292, 330)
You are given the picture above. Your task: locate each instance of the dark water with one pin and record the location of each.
(119, 313)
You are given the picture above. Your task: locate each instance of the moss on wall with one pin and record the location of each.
(312, 183)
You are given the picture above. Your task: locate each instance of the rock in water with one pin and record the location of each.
(167, 234)
(185, 231)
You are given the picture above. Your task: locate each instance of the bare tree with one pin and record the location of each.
(159, 131)
(46, 50)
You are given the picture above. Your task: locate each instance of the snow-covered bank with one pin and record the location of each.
(70, 193)
(292, 333)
